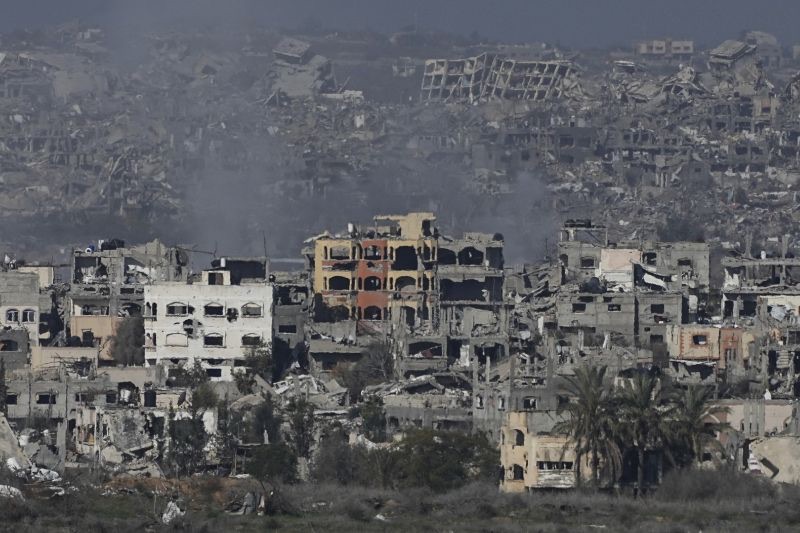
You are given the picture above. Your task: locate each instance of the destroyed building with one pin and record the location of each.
(490, 76)
(108, 281)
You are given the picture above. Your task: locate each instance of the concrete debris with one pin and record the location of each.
(647, 199)
(171, 513)
(7, 491)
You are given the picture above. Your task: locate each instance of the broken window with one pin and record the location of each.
(46, 398)
(470, 256)
(29, 315)
(251, 340)
(12, 315)
(657, 308)
(529, 403)
(519, 438)
(340, 252)
(405, 258)
(176, 309)
(373, 252)
(685, 262)
(656, 339)
(214, 372)
(405, 283)
(8, 345)
(213, 340)
(614, 307)
(699, 340)
(214, 309)
(447, 256)
(251, 310)
(578, 308)
(587, 262)
(216, 278)
(338, 283)
(82, 397)
(649, 258)
(372, 283)
(518, 472)
(287, 328)
(111, 397)
(372, 313)
(11, 399)
(87, 338)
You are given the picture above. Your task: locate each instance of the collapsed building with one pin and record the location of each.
(490, 76)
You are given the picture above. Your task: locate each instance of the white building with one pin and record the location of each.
(211, 320)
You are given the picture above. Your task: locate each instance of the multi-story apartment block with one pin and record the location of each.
(215, 320)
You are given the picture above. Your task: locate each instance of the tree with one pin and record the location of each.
(644, 414)
(377, 362)
(590, 421)
(301, 424)
(443, 460)
(273, 462)
(259, 362)
(696, 421)
(374, 417)
(266, 419)
(337, 461)
(376, 365)
(127, 344)
(188, 436)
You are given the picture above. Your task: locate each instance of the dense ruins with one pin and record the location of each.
(434, 233)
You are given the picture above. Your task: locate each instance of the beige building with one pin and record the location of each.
(533, 461)
(97, 331)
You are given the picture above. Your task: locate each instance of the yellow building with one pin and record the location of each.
(381, 272)
(532, 461)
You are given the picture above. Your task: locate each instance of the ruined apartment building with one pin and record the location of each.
(668, 49)
(443, 296)
(358, 275)
(490, 76)
(634, 290)
(772, 278)
(21, 308)
(531, 458)
(216, 319)
(108, 281)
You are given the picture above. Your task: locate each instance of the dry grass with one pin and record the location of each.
(688, 501)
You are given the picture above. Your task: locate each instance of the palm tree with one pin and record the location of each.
(590, 420)
(696, 421)
(644, 415)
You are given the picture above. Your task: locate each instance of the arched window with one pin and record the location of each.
(29, 315)
(519, 438)
(338, 283)
(251, 310)
(251, 340)
(176, 309)
(7, 345)
(372, 283)
(519, 473)
(12, 315)
(405, 283)
(176, 339)
(372, 313)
